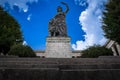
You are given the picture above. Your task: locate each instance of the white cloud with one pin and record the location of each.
(22, 4)
(90, 20)
(29, 17)
(25, 10)
(80, 2)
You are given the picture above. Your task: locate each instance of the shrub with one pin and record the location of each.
(96, 51)
(21, 51)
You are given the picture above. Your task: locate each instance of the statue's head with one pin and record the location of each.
(59, 9)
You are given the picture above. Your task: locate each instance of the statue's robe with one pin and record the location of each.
(57, 25)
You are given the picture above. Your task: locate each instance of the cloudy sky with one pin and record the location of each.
(83, 20)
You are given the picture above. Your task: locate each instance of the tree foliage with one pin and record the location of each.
(21, 51)
(96, 51)
(9, 31)
(111, 20)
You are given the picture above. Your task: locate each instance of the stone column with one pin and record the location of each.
(114, 52)
(118, 48)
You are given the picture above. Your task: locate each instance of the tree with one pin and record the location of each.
(111, 20)
(9, 31)
(21, 51)
(96, 51)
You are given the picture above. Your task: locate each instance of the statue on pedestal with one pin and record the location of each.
(57, 25)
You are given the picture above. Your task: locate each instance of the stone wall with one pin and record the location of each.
(103, 68)
(40, 53)
(74, 54)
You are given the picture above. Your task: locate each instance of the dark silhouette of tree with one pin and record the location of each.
(111, 20)
(9, 31)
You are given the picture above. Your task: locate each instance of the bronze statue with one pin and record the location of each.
(57, 25)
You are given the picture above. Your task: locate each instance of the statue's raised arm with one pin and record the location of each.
(57, 25)
(67, 7)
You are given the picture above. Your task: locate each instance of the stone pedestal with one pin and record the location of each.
(58, 47)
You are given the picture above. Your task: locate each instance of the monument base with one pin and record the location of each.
(58, 47)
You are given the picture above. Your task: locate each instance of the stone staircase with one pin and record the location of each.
(103, 68)
(61, 63)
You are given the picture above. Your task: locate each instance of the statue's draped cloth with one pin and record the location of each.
(57, 25)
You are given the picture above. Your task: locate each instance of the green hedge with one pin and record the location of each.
(21, 51)
(96, 51)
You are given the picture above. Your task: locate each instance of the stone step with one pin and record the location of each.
(56, 74)
(29, 66)
(62, 66)
(27, 62)
(60, 61)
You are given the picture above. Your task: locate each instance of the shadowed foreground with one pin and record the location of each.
(103, 68)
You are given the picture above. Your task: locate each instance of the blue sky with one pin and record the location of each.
(83, 20)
